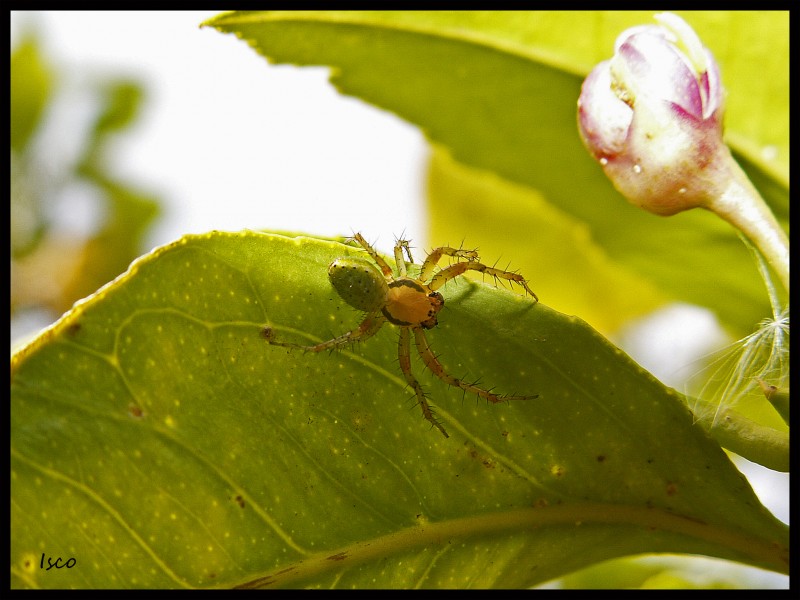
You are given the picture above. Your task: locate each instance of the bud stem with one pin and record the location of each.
(742, 206)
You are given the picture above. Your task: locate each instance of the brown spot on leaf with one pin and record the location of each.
(340, 556)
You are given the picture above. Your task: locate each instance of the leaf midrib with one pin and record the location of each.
(434, 534)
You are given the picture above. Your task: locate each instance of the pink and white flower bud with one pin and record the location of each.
(652, 116)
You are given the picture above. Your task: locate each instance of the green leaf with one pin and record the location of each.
(122, 99)
(129, 213)
(31, 88)
(665, 572)
(32, 82)
(498, 91)
(51, 269)
(161, 442)
(568, 269)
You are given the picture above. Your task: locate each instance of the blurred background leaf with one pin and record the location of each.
(54, 264)
(664, 572)
(498, 91)
(31, 88)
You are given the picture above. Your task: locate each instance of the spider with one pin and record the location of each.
(412, 304)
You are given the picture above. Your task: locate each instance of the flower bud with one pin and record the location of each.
(652, 116)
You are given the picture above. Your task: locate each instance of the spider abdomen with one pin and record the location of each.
(358, 283)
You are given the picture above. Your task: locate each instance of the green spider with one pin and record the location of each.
(412, 304)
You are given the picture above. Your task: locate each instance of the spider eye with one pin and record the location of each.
(430, 323)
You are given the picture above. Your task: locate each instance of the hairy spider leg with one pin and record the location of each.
(436, 255)
(368, 327)
(430, 360)
(398, 256)
(457, 269)
(384, 266)
(404, 354)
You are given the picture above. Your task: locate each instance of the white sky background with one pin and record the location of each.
(230, 143)
(233, 143)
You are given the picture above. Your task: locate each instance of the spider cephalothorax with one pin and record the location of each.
(410, 303)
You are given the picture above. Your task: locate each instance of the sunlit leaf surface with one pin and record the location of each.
(160, 441)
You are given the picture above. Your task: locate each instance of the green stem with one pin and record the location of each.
(742, 206)
(758, 443)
